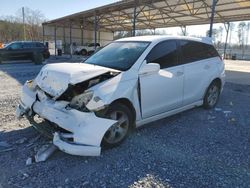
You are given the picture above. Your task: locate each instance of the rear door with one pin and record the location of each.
(162, 91)
(28, 50)
(200, 65)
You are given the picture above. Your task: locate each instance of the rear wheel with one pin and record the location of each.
(83, 52)
(119, 131)
(37, 58)
(212, 95)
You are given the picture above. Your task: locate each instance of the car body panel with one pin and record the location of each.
(195, 83)
(162, 91)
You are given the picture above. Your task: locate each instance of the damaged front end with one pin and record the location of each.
(69, 112)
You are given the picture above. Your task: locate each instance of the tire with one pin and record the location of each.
(38, 58)
(212, 95)
(46, 56)
(83, 52)
(118, 132)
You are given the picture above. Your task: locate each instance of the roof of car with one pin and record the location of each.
(159, 38)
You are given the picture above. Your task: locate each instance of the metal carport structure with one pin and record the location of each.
(132, 15)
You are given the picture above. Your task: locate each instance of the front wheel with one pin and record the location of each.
(212, 95)
(117, 133)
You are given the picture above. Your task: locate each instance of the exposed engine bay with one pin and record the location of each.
(75, 94)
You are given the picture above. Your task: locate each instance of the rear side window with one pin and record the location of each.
(165, 54)
(28, 45)
(196, 51)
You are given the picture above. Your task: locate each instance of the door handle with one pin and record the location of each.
(179, 73)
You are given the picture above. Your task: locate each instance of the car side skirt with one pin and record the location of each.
(168, 113)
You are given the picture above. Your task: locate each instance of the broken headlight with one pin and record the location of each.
(79, 102)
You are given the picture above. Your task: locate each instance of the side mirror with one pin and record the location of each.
(149, 68)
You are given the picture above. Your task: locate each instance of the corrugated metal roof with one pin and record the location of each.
(155, 14)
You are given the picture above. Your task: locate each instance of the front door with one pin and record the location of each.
(162, 91)
(14, 51)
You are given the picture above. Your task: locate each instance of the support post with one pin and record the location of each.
(82, 27)
(247, 36)
(134, 21)
(227, 27)
(64, 38)
(70, 34)
(55, 39)
(70, 40)
(82, 36)
(95, 31)
(184, 30)
(99, 37)
(212, 18)
(43, 33)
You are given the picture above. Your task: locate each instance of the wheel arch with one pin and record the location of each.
(216, 80)
(128, 104)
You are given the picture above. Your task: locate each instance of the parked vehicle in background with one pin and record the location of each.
(128, 83)
(87, 49)
(24, 50)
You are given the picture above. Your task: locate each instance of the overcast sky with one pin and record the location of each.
(58, 8)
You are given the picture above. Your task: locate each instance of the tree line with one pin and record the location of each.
(242, 31)
(13, 29)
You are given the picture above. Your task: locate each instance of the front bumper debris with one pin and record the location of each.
(85, 129)
(73, 148)
(20, 111)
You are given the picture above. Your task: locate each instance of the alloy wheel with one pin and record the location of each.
(119, 130)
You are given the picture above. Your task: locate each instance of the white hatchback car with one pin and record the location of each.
(128, 83)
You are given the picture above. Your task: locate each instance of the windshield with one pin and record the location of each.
(118, 55)
(7, 45)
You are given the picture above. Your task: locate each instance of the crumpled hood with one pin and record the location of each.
(54, 79)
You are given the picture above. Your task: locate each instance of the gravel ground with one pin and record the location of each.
(197, 148)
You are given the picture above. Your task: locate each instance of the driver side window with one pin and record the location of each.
(165, 54)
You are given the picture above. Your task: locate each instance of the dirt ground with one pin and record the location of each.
(197, 148)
